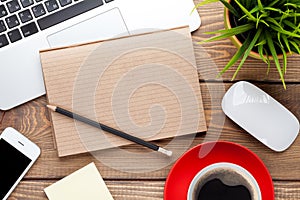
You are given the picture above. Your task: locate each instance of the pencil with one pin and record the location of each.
(109, 129)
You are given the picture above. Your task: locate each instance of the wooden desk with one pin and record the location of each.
(32, 119)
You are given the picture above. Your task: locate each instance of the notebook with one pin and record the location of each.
(85, 183)
(145, 85)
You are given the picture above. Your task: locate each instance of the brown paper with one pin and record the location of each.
(145, 85)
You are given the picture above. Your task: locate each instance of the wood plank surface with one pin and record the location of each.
(32, 119)
(139, 190)
(221, 52)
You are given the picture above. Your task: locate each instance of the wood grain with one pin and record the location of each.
(221, 52)
(32, 119)
(139, 190)
(1, 117)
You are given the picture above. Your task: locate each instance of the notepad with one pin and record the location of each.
(86, 183)
(145, 85)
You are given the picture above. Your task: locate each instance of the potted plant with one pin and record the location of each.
(265, 29)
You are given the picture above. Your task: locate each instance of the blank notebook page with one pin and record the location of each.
(145, 85)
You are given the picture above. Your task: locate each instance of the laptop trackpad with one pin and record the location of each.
(106, 25)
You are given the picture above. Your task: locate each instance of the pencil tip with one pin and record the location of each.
(53, 108)
(164, 151)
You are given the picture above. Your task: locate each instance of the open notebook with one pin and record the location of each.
(145, 85)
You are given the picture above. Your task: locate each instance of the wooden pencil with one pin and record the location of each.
(109, 129)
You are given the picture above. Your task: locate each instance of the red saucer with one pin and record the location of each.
(192, 162)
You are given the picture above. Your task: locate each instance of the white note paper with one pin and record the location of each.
(85, 183)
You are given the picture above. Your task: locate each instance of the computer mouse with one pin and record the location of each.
(261, 115)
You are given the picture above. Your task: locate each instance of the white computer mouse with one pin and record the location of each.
(260, 115)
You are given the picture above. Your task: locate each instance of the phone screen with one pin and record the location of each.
(12, 165)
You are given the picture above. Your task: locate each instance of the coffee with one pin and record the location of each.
(224, 181)
(215, 189)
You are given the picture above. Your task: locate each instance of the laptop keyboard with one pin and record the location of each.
(22, 18)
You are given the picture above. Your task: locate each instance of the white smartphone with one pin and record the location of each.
(17, 155)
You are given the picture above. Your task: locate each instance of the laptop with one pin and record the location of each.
(27, 26)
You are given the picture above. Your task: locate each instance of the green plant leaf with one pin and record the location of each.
(263, 21)
(273, 3)
(273, 9)
(294, 14)
(272, 20)
(206, 2)
(236, 56)
(260, 46)
(286, 42)
(203, 3)
(297, 41)
(250, 16)
(292, 5)
(290, 24)
(293, 26)
(274, 54)
(254, 10)
(247, 52)
(260, 49)
(238, 29)
(284, 55)
(297, 29)
(229, 32)
(245, 3)
(268, 61)
(294, 44)
(284, 60)
(230, 8)
(260, 20)
(262, 42)
(277, 29)
(261, 7)
(279, 39)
